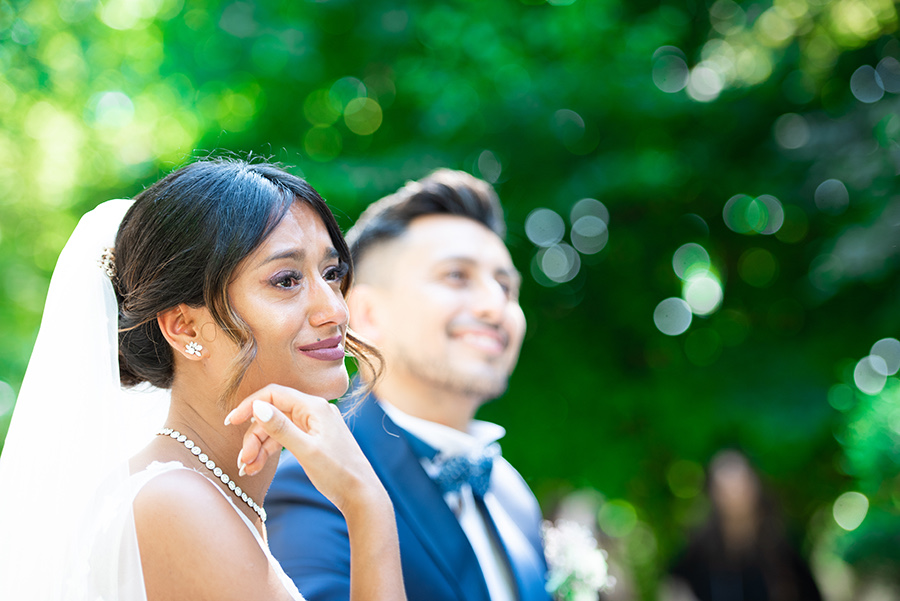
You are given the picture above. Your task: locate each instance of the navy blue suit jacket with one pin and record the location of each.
(308, 535)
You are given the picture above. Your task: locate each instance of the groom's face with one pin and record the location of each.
(449, 307)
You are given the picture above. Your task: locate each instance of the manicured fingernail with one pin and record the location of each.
(263, 411)
(243, 470)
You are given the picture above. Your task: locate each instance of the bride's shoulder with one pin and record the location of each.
(183, 501)
(174, 496)
(192, 541)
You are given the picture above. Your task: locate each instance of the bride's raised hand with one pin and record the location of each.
(312, 430)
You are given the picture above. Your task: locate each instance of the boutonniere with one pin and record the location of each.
(577, 565)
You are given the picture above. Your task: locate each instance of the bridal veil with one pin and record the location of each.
(63, 522)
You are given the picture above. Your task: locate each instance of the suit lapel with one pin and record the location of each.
(527, 567)
(417, 499)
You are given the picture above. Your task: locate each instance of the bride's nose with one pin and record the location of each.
(327, 304)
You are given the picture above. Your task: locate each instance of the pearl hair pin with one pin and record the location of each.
(107, 262)
(216, 470)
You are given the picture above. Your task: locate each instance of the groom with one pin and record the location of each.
(437, 293)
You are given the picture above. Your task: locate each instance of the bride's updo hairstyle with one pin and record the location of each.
(182, 241)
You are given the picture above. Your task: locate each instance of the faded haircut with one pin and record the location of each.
(442, 192)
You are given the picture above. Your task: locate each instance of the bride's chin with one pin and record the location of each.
(330, 385)
(335, 389)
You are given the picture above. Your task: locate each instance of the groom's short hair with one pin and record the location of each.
(442, 192)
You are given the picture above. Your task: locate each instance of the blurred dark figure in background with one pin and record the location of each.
(742, 552)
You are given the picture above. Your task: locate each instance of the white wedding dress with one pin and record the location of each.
(66, 519)
(109, 568)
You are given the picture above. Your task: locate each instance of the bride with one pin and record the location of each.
(221, 304)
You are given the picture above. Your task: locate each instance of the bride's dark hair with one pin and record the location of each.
(181, 242)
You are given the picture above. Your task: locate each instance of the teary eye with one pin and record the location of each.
(287, 279)
(337, 273)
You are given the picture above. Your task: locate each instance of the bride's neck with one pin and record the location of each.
(202, 419)
(203, 422)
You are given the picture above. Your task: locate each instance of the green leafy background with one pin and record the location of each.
(662, 111)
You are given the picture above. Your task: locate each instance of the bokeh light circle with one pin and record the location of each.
(888, 70)
(889, 350)
(489, 166)
(703, 292)
(670, 73)
(560, 262)
(705, 83)
(569, 126)
(869, 374)
(791, 131)
(112, 109)
(690, 258)
(363, 116)
(589, 206)
(866, 85)
(774, 214)
(832, 197)
(319, 109)
(344, 90)
(672, 316)
(747, 215)
(544, 227)
(850, 510)
(735, 214)
(589, 234)
(727, 17)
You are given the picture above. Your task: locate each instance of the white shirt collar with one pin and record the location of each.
(447, 440)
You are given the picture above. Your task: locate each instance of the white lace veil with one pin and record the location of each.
(73, 430)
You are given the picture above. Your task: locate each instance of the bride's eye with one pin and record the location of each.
(337, 273)
(287, 279)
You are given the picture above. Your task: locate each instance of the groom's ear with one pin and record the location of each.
(365, 312)
(180, 325)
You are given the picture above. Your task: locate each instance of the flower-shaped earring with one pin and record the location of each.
(193, 348)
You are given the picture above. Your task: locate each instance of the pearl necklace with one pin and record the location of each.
(216, 470)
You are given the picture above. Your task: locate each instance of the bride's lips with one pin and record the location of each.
(330, 349)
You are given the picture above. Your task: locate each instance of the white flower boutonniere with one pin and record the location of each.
(577, 566)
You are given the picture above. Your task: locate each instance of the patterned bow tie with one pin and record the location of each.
(473, 469)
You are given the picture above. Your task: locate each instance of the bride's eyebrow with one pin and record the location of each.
(298, 255)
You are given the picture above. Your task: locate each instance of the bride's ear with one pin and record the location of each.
(180, 326)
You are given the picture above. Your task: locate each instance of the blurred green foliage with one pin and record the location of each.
(661, 111)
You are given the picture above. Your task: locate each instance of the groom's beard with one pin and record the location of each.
(484, 381)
